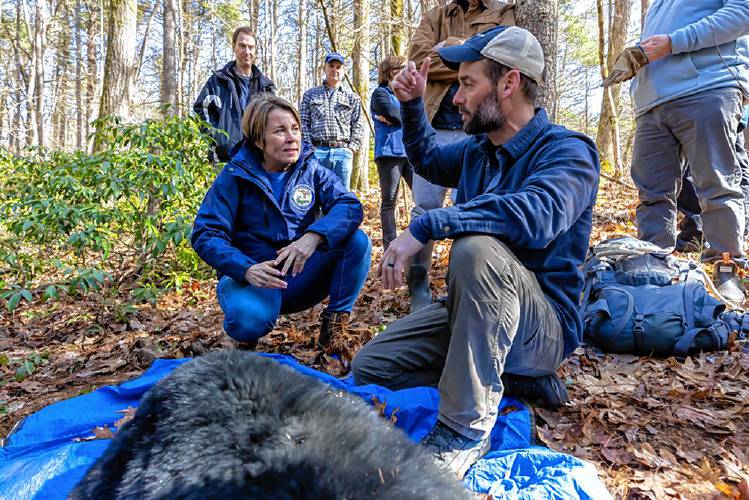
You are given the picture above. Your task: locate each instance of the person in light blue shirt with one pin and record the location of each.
(688, 105)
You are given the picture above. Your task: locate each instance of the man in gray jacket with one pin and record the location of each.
(688, 105)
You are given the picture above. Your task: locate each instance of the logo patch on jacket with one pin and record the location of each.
(302, 197)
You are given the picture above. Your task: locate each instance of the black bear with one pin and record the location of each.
(234, 424)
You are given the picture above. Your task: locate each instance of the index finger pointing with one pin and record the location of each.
(424, 70)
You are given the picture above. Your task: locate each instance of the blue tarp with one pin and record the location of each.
(42, 460)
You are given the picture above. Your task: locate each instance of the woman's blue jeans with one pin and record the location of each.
(339, 273)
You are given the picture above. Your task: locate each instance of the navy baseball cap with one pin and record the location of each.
(335, 56)
(511, 46)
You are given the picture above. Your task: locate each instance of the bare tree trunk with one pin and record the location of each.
(180, 56)
(169, 67)
(644, 6)
(39, 49)
(408, 16)
(586, 122)
(334, 26)
(272, 35)
(101, 40)
(541, 17)
(92, 70)
(214, 57)
(18, 135)
(360, 174)
(301, 57)
(254, 7)
(329, 24)
(4, 112)
(397, 46)
(120, 64)
(608, 137)
(78, 85)
(387, 28)
(316, 53)
(60, 85)
(142, 51)
(31, 130)
(34, 83)
(192, 37)
(263, 48)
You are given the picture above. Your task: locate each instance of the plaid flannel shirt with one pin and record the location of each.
(332, 115)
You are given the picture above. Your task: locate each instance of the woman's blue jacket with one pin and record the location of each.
(240, 223)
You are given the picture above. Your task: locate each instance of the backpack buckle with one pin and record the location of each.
(639, 330)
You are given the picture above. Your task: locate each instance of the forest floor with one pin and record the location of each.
(654, 428)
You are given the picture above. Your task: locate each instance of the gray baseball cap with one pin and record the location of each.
(514, 47)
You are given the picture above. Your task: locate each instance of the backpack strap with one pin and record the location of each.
(689, 288)
(719, 331)
(601, 306)
(682, 346)
(625, 317)
(591, 273)
(586, 296)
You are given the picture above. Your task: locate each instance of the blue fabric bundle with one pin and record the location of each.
(41, 460)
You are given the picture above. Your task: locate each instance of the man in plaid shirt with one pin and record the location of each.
(332, 120)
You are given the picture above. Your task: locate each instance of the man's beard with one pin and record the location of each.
(487, 117)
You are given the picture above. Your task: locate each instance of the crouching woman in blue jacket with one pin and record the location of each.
(281, 230)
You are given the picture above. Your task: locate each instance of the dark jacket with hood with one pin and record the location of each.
(219, 105)
(240, 223)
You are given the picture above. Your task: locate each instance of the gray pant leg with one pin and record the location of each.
(499, 319)
(744, 162)
(706, 125)
(409, 353)
(426, 195)
(656, 171)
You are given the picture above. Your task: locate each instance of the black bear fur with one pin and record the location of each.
(234, 424)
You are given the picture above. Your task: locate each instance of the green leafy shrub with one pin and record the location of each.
(74, 222)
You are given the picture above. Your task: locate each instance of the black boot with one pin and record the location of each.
(417, 278)
(549, 390)
(245, 346)
(331, 325)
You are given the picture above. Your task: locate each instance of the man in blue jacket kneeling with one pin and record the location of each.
(520, 229)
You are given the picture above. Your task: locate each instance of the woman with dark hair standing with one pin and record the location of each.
(390, 155)
(281, 230)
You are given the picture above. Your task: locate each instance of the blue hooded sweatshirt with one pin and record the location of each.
(240, 223)
(710, 50)
(535, 194)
